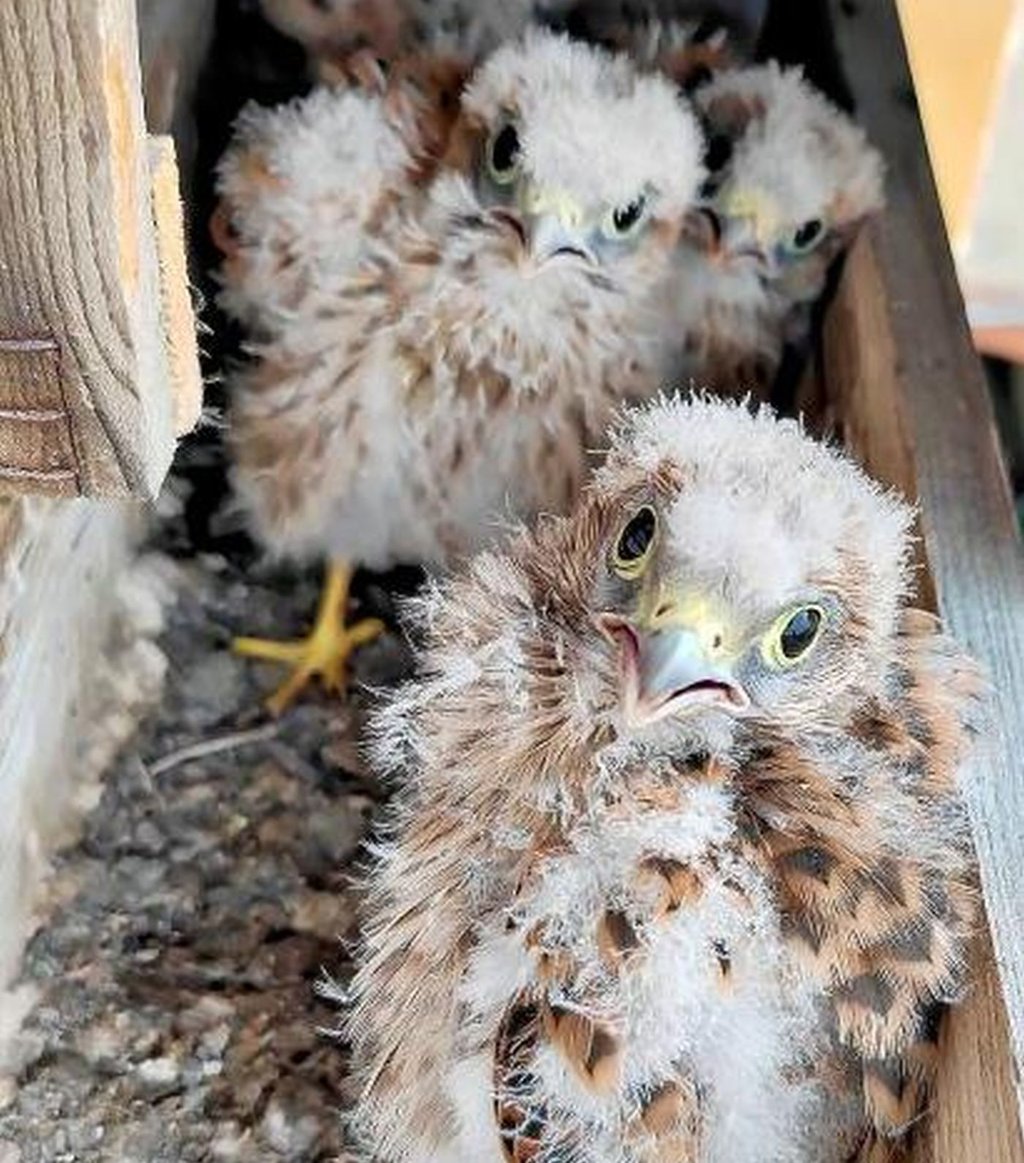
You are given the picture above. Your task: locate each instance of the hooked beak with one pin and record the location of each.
(668, 670)
(743, 228)
(549, 237)
(555, 225)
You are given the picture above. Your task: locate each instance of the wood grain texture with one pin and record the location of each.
(914, 405)
(179, 322)
(78, 248)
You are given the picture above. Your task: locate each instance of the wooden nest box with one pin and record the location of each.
(99, 378)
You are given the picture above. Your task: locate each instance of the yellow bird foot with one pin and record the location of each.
(324, 654)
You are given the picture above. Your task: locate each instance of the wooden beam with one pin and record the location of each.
(176, 301)
(914, 404)
(82, 329)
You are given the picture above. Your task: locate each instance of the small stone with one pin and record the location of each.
(9, 1152)
(213, 1042)
(159, 1076)
(215, 686)
(101, 1046)
(208, 1012)
(229, 1144)
(146, 1043)
(148, 839)
(288, 1129)
(326, 914)
(8, 1092)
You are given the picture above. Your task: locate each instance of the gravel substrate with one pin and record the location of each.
(170, 987)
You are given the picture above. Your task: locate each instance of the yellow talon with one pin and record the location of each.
(325, 652)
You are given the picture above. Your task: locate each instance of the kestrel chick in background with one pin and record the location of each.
(690, 50)
(792, 179)
(438, 341)
(325, 27)
(678, 868)
(333, 31)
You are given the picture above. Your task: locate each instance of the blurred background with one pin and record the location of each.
(967, 58)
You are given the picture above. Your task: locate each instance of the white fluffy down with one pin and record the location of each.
(744, 1046)
(574, 98)
(785, 506)
(803, 151)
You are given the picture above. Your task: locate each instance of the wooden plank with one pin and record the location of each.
(78, 247)
(915, 406)
(60, 563)
(37, 451)
(179, 322)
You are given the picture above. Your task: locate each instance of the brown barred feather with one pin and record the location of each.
(889, 936)
(845, 817)
(668, 1126)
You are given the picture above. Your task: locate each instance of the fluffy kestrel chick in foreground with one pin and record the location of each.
(678, 868)
(438, 341)
(792, 180)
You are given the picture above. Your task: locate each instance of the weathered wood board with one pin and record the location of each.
(89, 366)
(906, 390)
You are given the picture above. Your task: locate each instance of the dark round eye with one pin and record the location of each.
(504, 154)
(808, 235)
(624, 220)
(718, 153)
(799, 633)
(636, 539)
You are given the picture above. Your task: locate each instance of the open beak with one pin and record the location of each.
(668, 670)
(555, 225)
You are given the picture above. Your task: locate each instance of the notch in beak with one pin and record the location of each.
(667, 670)
(556, 225)
(549, 237)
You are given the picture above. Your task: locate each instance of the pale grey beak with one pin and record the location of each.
(674, 675)
(667, 672)
(548, 237)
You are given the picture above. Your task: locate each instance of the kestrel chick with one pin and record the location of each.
(332, 30)
(690, 50)
(438, 340)
(328, 26)
(678, 868)
(792, 180)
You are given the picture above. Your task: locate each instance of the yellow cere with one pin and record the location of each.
(549, 200)
(759, 209)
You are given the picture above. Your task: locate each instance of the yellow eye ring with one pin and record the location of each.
(792, 636)
(635, 543)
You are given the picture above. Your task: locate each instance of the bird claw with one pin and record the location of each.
(323, 654)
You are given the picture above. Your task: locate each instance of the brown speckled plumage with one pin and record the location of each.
(712, 934)
(435, 347)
